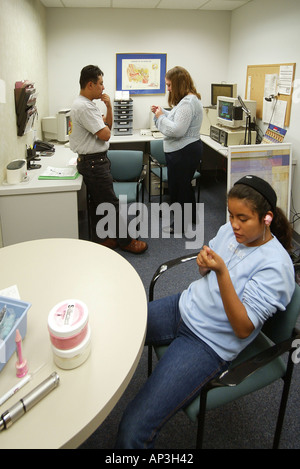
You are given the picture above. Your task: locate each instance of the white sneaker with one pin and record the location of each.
(168, 229)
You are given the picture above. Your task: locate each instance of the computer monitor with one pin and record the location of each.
(222, 89)
(230, 112)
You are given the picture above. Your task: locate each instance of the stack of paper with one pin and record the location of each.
(59, 173)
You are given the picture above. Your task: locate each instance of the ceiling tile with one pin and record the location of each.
(224, 4)
(182, 5)
(158, 4)
(52, 3)
(134, 3)
(87, 3)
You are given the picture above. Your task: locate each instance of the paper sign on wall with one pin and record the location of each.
(285, 79)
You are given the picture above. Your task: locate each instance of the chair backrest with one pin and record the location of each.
(157, 151)
(280, 326)
(126, 165)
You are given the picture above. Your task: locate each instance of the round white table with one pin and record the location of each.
(46, 272)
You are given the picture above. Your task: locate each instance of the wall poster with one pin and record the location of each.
(141, 73)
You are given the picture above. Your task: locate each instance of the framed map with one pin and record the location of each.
(271, 162)
(141, 73)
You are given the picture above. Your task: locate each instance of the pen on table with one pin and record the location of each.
(14, 389)
(18, 386)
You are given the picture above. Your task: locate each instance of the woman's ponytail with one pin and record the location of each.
(282, 229)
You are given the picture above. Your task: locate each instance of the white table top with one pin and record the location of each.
(215, 145)
(61, 159)
(64, 156)
(47, 272)
(135, 137)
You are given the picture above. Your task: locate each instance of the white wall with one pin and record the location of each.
(198, 41)
(267, 32)
(23, 56)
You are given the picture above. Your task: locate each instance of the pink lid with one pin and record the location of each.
(67, 318)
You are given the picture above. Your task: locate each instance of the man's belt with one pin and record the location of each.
(92, 156)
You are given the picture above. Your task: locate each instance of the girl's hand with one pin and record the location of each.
(209, 260)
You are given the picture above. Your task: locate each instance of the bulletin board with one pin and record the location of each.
(255, 85)
(271, 162)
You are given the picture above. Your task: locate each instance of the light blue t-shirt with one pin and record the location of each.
(263, 278)
(181, 125)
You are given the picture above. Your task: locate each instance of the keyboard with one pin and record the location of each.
(157, 135)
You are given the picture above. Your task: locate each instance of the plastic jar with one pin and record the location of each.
(72, 358)
(69, 333)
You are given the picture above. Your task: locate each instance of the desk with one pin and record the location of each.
(215, 145)
(136, 137)
(47, 272)
(36, 208)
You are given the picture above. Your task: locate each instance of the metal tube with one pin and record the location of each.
(30, 400)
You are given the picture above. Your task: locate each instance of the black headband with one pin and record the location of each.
(261, 186)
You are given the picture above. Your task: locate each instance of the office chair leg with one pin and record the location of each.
(284, 398)
(149, 181)
(201, 419)
(149, 360)
(88, 203)
(160, 187)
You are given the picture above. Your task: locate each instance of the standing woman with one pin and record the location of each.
(181, 130)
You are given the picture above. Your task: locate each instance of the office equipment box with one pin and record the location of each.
(125, 114)
(123, 131)
(123, 117)
(125, 104)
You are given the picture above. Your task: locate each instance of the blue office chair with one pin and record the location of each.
(128, 172)
(257, 366)
(157, 166)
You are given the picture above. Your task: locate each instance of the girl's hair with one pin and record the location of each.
(280, 225)
(89, 73)
(182, 85)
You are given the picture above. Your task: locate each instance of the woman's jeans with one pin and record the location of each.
(176, 380)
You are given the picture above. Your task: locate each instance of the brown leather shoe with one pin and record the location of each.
(135, 247)
(109, 243)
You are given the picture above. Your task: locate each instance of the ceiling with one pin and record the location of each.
(155, 4)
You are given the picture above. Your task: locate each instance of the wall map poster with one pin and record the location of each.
(141, 73)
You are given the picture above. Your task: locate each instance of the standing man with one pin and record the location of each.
(90, 139)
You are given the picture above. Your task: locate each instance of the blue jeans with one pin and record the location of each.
(176, 380)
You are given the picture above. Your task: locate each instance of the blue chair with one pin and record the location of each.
(128, 172)
(157, 166)
(257, 366)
